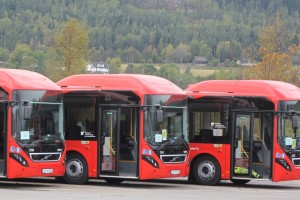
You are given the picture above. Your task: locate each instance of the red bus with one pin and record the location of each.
(241, 130)
(124, 126)
(31, 125)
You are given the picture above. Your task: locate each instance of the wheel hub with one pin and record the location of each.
(74, 168)
(206, 170)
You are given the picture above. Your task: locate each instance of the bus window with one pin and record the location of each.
(80, 118)
(209, 122)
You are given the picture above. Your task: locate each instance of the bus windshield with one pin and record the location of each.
(42, 129)
(171, 129)
(289, 136)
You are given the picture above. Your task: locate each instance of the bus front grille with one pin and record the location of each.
(45, 157)
(177, 158)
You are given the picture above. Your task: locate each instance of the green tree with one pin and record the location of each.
(167, 53)
(4, 55)
(170, 72)
(223, 50)
(131, 55)
(182, 53)
(18, 55)
(115, 65)
(68, 55)
(204, 50)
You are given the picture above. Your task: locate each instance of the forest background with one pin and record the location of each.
(255, 39)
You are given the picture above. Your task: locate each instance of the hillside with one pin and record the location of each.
(153, 31)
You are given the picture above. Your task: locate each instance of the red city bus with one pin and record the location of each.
(124, 126)
(241, 130)
(31, 123)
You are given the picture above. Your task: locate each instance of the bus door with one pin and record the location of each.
(3, 111)
(252, 145)
(118, 150)
(242, 154)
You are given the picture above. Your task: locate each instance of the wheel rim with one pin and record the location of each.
(206, 170)
(74, 169)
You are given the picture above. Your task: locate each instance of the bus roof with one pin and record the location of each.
(138, 83)
(267, 88)
(12, 79)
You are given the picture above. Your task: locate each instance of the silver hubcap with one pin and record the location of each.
(74, 168)
(206, 170)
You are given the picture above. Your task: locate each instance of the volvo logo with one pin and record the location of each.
(46, 157)
(174, 159)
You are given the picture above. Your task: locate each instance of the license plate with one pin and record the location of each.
(47, 171)
(175, 172)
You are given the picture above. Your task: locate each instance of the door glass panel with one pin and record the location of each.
(2, 138)
(128, 142)
(242, 144)
(109, 153)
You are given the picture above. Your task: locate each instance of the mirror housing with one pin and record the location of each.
(294, 121)
(27, 110)
(159, 116)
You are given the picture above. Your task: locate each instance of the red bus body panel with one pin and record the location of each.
(221, 152)
(141, 85)
(14, 79)
(273, 90)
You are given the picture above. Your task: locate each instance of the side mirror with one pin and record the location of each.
(27, 112)
(159, 116)
(294, 122)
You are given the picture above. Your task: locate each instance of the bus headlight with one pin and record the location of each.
(20, 159)
(283, 163)
(150, 160)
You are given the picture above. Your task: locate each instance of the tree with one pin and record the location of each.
(4, 55)
(223, 50)
(170, 72)
(273, 38)
(294, 51)
(69, 52)
(276, 63)
(115, 65)
(167, 53)
(274, 66)
(131, 55)
(18, 55)
(182, 53)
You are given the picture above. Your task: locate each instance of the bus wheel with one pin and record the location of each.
(206, 171)
(113, 181)
(76, 169)
(239, 181)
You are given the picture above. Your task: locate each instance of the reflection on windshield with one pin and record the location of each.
(42, 130)
(43, 125)
(170, 130)
(289, 137)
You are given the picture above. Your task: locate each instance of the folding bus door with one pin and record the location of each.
(118, 142)
(3, 122)
(242, 152)
(252, 145)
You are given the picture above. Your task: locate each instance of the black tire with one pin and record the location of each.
(239, 181)
(76, 169)
(206, 171)
(113, 181)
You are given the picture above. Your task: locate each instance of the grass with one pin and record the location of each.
(196, 71)
(202, 72)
